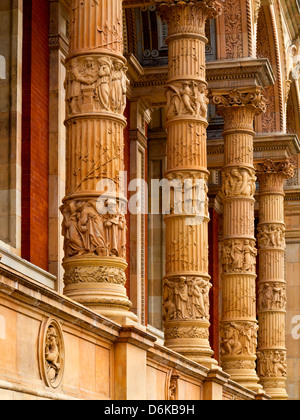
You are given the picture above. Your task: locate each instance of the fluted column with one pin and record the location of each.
(239, 325)
(187, 283)
(95, 232)
(272, 367)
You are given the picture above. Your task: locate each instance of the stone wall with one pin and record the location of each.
(54, 348)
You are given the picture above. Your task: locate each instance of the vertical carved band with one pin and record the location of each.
(187, 283)
(272, 367)
(239, 325)
(96, 84)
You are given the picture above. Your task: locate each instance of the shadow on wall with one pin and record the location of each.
(2, 68)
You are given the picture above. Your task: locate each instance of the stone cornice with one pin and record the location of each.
(150, 83)
(226, 74)
(278, 146)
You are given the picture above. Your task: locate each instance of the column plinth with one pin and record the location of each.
(272, 366)
(239, 325)
(94, 229)
(187, 283)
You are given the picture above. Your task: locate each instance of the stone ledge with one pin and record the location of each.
(34, 294)
(26, 269)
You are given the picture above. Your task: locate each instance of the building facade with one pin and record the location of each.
(108, 98)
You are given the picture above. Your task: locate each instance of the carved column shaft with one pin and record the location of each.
(95, 243)
(187, 283)
(272, 285)
(239, 325)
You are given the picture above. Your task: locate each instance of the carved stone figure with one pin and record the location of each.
(173, 386)
(52, 355)
(238, 256)
(74, 240)
(271, 236)
(272, 296)
(88, 232)
(230, 344)
(239, 339)
(272, 364)
(239, 183)
(103, 82)
(118, 87)
(91, 223)
(190, 98)
(96, 83)
(186, 299)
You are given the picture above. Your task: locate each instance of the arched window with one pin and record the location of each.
(2, 67)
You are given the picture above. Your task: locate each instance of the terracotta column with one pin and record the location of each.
(187, 282)
(95, 243)
(239, 325)
(272, 367)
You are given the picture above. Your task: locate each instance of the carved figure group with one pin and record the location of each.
(88, 232)
(188, 99)
(239, 256)
(272, 296)
(238, 339)
(186, 299)
(272, 364)
(98, 83)
(239, 183)
(271, 236)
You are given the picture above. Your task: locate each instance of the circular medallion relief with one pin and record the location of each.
(51, 353)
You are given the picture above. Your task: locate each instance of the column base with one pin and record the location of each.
(243, 371)
(99, 284)
(275, 388)
(191, 339)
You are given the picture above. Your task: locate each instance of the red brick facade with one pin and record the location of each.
(127, 168)
(213, 233)
(35, 129)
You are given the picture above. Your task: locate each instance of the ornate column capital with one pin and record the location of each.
(189, 16)
(286, 168)
(251, 98)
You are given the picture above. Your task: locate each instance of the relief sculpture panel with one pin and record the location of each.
(97, 83)
(186, 99)
(88, 232)
(186, 298)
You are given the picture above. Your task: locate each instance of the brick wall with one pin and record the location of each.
(213, 232)
(35, 154)
(127, 168)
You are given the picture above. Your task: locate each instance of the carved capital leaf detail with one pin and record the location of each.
(285, 168)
